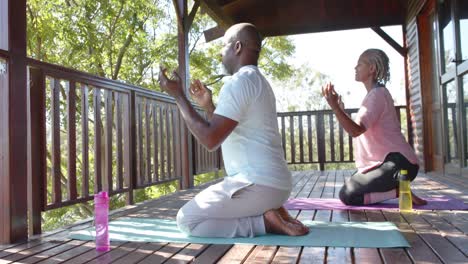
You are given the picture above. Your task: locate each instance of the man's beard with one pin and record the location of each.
(225, 70)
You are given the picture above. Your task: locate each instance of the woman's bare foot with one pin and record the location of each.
(275, 224)
(417, 200)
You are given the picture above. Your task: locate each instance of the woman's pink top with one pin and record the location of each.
(383, 131)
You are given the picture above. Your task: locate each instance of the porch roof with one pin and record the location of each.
(278, 17)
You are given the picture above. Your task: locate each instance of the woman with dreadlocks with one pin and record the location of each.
(381, 151)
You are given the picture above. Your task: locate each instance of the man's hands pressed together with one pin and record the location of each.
(202, 96)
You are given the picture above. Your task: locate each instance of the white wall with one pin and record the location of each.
(4, 24)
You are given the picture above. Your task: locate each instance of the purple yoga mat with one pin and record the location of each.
(443, 203)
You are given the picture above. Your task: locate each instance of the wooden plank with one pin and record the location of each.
(363, 255)
(419, 252)
(212, 254)
(389, 255)
(188, 254)
(140, 253)
(9, 250)
(445, 250)
(236, 254)
(287, 255)
(47, 254)
(262, 254)
(29, 252)
(312, 255)
(69, 254)
(161, 255)
(117, 253)
(452, 234)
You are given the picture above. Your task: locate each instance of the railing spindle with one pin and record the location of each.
(309, 137)
(301, 140)
(56, 166)
(85, 140)
(155, 142)
(108, 141)
(148, 141)
(97, 141)
(118, 122)
(71, 141)
(332, 136)
(291, 137)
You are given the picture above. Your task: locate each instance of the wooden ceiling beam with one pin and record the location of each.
(390, 41)
(213, 9)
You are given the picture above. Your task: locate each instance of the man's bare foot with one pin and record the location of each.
(275, 224)
(417, 200)
(286, 216)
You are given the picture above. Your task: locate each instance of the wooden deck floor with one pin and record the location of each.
(435, 237)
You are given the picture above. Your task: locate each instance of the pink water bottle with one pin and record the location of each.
(101, 221)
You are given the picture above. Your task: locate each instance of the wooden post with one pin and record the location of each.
(36, 149)
(13, 130)
(184, 22)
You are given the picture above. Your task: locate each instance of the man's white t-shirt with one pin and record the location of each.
(253, 152)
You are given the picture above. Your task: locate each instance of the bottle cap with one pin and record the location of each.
(404, 175)
(101, 197)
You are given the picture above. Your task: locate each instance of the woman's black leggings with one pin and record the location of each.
(380, 179)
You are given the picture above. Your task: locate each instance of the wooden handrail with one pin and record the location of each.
(112, 136)
(325, 141)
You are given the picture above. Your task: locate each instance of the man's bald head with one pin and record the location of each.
(247, 34)
(242, 45)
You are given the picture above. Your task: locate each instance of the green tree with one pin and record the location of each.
(125, 41)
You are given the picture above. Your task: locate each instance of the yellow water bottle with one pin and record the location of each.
(405, 201)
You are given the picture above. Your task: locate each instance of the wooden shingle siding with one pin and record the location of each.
(414, 86)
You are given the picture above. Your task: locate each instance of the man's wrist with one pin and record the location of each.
(209, 108)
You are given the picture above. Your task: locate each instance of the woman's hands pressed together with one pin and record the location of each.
(332, 97)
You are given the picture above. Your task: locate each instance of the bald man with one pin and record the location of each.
(248, 202)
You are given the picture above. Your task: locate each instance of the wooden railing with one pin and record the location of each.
(315, 137)
(88, 134)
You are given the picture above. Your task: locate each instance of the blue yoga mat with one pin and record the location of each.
(322, 234)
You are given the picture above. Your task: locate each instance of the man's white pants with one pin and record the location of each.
(230, 209)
